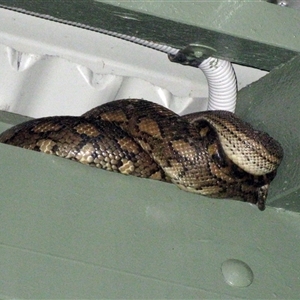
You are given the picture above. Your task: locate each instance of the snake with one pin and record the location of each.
(212, 153)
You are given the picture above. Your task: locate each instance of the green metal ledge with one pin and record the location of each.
(71, 231)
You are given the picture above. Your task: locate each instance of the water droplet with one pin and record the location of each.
(237, 273)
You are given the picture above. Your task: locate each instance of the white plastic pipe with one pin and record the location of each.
(221, 82)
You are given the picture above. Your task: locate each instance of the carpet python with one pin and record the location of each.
(212, 153)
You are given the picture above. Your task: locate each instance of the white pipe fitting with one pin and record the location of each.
(221, 82)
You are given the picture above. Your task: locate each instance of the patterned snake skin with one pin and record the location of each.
(211, 153)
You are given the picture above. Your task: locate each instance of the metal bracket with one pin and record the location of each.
(192, 55)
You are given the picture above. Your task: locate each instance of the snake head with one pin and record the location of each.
(260, 190)
(262, 194)
(256, 191)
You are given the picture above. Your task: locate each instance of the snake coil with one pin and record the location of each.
(212, 153)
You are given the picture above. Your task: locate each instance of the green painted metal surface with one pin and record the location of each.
(272, 103)
(70, 231)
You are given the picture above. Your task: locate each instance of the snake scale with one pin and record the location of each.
(212, 153)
